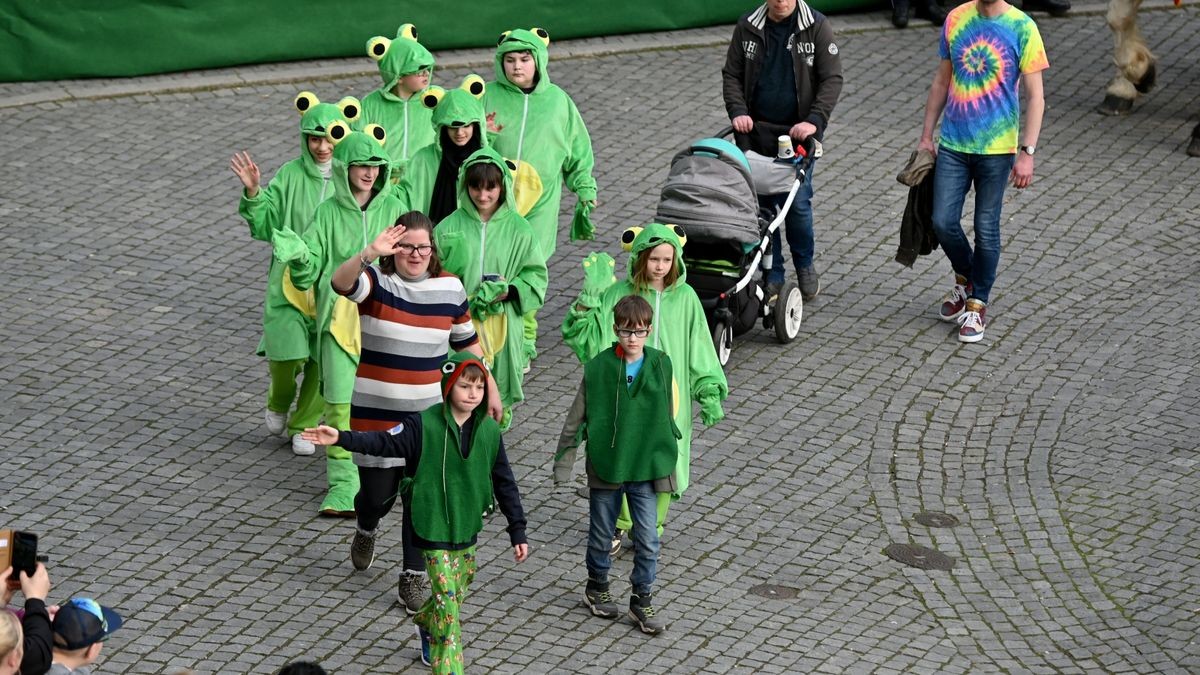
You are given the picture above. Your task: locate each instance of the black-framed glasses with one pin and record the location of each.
(421, 249)
(629, 332)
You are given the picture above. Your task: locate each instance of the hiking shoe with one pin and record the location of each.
(599, 600)
(413, 591)
(362, 550)
(302, 447)
(276, 422)
(972, 321)
(955, 302)
(810, 282)
(616, 542)
(771, 292)
(424, 637)
(643, 614)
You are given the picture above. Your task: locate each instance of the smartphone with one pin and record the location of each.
(491, 277)
(24, 557)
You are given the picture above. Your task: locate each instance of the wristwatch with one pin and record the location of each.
(1028, 149)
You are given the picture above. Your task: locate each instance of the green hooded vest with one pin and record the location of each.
(450, 492)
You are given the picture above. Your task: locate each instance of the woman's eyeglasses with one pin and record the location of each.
(421, 249)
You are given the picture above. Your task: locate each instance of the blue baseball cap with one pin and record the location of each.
(82, 622)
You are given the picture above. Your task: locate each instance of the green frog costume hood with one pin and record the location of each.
(317, 117)
(534, 41)
(638, 239)
(487, 155)
(399, 57)
(357, 148)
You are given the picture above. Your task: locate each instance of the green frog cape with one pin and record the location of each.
(407, 121)
(680, 330)
(340, 229)
(288, 202)
(543, 128)
(455, 108)
(504, 246)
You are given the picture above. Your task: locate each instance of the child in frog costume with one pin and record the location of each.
(488, 245)
(289, 201)
(537, 122)
(680, 330)
(405, 66)
(362, 206)
(430, 181)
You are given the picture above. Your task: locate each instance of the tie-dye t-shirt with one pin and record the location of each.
(987, 56)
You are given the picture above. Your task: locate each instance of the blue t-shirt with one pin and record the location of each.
(632, 369)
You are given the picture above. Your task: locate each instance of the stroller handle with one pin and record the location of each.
(808, 145)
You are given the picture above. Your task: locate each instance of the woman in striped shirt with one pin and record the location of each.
(411, 314)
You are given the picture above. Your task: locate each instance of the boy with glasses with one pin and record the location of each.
(625, 410)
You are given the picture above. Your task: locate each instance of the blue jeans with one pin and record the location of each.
(604, 506)
(953, 176)
(798, 223)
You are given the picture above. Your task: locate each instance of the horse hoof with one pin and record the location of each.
(1115, 105)
(1147, 80)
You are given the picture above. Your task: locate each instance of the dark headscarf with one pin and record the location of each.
(445, 188)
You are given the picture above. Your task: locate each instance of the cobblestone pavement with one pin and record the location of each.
(1065, 442)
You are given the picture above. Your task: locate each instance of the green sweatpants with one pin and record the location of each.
(282, 392)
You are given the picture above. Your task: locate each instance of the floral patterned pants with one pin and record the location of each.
(450, 573)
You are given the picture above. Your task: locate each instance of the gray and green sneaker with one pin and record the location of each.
(599, 600)
(362, 549)
(643, 614)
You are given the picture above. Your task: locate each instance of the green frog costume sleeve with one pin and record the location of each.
(288, 203)
(545, 129)
(680, 330)
(457, 107)
(505, 247)
(407, 122)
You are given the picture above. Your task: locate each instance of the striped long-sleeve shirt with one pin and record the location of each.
(408, 328)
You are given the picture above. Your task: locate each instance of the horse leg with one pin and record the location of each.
(1136, 71)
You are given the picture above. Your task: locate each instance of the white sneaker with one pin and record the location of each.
(302, 447)
(276, 422)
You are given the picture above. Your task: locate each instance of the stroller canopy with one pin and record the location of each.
(710, 192)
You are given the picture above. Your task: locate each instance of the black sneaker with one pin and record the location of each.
(643, 614)
(599, 600)
(413, 591)
(772, 292)
(362, 550)
(810, 282)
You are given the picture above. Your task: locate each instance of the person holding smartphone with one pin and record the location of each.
(35, 619)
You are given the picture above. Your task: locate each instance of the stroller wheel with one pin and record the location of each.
(788, 311)
(722, 336)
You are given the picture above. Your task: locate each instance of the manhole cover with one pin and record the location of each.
(936, 519)
(775, 592)
(918, 556)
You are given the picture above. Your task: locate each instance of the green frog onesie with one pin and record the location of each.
(680, 330)
(288, 202)
(340, 230)
(493, 258)
(455, 108)
(407, 122)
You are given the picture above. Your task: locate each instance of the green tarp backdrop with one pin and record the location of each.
(61, 39)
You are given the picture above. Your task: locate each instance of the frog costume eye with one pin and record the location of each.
(541, 35)
(512, 166)
(337, 131)
(628, 236)
(305, 101)
(447, 367)
(407, 31)
(377, 47)
(432, 96)
(350, 108)
(503, 36)
(377, 132)
(678, 230)
(473, 85)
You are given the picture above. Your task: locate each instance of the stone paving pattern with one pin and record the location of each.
(1065, 442)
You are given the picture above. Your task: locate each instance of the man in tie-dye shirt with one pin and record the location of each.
(987, 47)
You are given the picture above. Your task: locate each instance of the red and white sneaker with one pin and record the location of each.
(972, 322)
(955, 302)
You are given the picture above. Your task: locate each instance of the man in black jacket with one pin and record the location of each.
(783, 75)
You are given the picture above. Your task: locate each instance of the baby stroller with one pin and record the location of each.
(729, 203)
